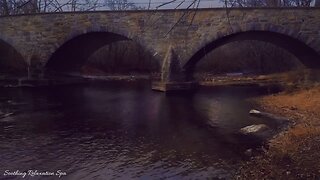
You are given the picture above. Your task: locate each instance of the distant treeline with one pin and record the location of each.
(127, 57)
(252, 57)
(121, 58)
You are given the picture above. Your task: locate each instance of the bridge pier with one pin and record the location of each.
(172, 76)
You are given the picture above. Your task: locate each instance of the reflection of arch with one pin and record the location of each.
(308, 56)
(11, 61)
(77, 48)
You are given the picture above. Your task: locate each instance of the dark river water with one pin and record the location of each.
(124, 131)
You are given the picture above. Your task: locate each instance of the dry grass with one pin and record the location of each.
(295, 153)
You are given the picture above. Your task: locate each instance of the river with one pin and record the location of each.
(123, 130)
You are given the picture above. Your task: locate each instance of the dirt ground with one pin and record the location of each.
(294, 153)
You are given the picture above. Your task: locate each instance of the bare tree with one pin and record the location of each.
(4, 7)
(267, 3)
(120, 4)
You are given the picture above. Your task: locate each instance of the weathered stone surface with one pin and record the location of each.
(275, 119)
(254, 112)
(41, 35)
(254, 129)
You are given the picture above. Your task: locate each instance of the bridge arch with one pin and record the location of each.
(293, 41)
(79, 45)
(103, 29)
(11, 60)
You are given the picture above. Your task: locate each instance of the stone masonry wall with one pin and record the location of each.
(38, 36)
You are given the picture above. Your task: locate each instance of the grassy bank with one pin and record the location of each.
(295, 153)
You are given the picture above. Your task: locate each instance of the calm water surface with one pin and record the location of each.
(125, 131)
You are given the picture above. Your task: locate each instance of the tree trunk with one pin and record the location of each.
(5, 7)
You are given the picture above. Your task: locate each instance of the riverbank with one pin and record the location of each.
(16, 82)
(285, 79)
(130, 77)
(294, 153)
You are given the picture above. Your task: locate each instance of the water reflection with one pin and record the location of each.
(121, 131)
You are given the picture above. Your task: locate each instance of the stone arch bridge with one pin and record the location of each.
(178, 39)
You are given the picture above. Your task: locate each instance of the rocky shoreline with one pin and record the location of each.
(263, 131)
(294, 152)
